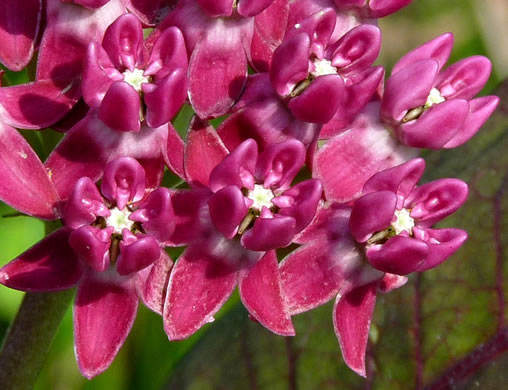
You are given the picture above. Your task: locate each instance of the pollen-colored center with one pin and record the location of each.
(119, 220)
(323, 67)
(135, 78)
(261, 197)
(403, 222)
(434, 98)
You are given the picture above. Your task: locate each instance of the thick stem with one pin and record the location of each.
(29, 338)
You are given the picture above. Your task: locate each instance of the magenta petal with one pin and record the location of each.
(49, 265)
(438, 49)
(156, 215)
(442, 244)
(309, 277)
(391, 282)
(103, 317)
(152, 282)
(306, 196)
(480, 110)
(24, 182)
(351, 319)
(217, 70)
(408, 89)
(123, 181)
(261, 293)
(136, 253)
(198, 287)
(309, 107)
(204, 150)
(372, 213)
(123, 41)
(168, 54)
(248, 8)
(270, 233)
(280, 162)
(38, 104)
(237, 168)
(98, 74)
(216, 8)
(227, 210)
(465, 78)
(174, 152)
(166, 98)
(380, 8)
(400, 255)
(92, 4)
(436, 200)
(401, 179)
(19, 25)
(290, 63)
(84, 205)
(121, 96)
(436, 126)
(91, 245)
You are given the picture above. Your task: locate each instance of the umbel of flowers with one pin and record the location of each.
(317, 151)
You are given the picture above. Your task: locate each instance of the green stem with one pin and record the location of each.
(29, 338)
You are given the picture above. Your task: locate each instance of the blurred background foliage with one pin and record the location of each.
(440, 327)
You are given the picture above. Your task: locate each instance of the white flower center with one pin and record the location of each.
(261, 197)
(434, 98)
(404, 222)
(323, 67)
(119, 219)
(135, 78)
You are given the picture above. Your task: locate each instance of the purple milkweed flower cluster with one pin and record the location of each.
(318, 151)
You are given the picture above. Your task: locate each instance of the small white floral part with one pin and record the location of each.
(135, 78)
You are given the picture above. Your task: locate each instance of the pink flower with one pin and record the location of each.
(353, 253)
(110, 247)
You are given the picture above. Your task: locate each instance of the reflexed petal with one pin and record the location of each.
(227, 210)
(91, 246)
(309, 277)
(120, 107)
(391, 282)
(269, 233)
(436, 126)
(103, 316)
(480, 110)
(173, 154)
(442, 244)
(279, 163)
(19, 26)
(152, 282)
(204, 150)
(400, 180)
(156, 215)
(38, 104)
(351, 319)
(261, 293)
(438, 49)
(24, 182)
(217, 70)
(49, 265)
(136, 253)
(123, 41)
(306, 196)
(237, 168)
(400, 255)
(309, 107)
(436, 200)
(465, 78)
(372, 213)
(408, 89)
(198, 287)
(123, 181)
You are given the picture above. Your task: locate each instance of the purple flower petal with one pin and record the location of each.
(442, 244)
(198, 287)
(24, 182)
(136, 252)
(103, 316)
(262, 295)
(351, 319)
(227, 210)
(91, 245)
(121, 94)
(269, 233)
(123, 181)
(49, 265)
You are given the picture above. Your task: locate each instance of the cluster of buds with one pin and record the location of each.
(318, 152)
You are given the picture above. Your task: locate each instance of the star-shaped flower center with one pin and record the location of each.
(119, 220)
(135, 78)
(323, 67)
(261, 197)
(434, 98)
(403, 222)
